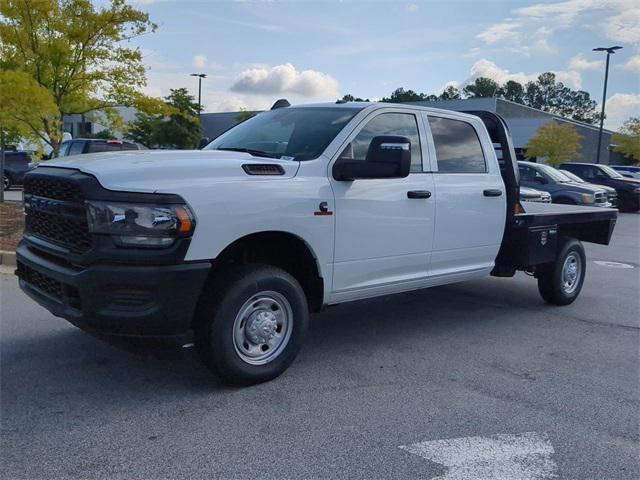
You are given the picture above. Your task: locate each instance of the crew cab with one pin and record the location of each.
(293, 210)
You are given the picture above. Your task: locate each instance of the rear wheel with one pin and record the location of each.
(251, 323)
(560, 283)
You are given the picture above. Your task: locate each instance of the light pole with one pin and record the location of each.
(609, 51)
(200, 77)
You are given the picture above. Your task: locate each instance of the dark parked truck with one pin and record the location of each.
(293, 210)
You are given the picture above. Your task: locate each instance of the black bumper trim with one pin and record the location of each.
(118, 299)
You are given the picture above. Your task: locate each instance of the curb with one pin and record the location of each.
(7, 259)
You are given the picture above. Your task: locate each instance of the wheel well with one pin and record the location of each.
(280, 249)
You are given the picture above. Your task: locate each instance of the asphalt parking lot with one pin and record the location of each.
(476, 380)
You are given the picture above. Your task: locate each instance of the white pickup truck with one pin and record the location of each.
(295, 209)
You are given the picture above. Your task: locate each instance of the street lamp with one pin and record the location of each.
(200, 77)
(609, 51)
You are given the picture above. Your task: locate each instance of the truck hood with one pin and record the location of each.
(583, 187)
(166, 170)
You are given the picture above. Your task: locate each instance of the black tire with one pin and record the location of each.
(625, 202)
(554, 279)
(230, 294)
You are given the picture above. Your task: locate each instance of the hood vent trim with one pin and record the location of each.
(263, 169)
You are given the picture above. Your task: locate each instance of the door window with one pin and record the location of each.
(458, 148)
(398, 124)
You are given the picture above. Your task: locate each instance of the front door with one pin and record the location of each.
(383, 237)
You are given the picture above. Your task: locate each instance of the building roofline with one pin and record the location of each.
(559, 117)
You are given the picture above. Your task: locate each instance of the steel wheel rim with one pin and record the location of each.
(571, 272)
(262, 328)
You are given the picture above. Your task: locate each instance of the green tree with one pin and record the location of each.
(627, 140)
(243, 116)
(350, 98)
(512, 91)
(556, 142)
(450, 93)
(400, 95)
(482, 87)
(180, 129)
(78, 53)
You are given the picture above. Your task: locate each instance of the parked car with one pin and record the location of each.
(531, 195)
(79, 146)
(290, 211)
(562, 189)
(627, 170)
(612, 195)
(16, 164)
(628, 188)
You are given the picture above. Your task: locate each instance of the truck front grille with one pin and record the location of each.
(56, 213)
(50, 286)
(601, 198)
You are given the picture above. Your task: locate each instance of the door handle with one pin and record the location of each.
(492, 192)
(419, 194)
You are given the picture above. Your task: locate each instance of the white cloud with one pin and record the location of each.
(283, 79)
(500, 31)
(633, 65)
(620, 107)
(412, 8)
(532, 27)
(487, 68)
(624, 27)
(199, 61)
(580, 63)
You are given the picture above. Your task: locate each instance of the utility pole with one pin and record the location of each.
(200, 77)
(609, 50)
(2, 165)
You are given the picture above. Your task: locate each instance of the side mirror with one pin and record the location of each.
(388, 157)
(204, 141)
(540, 180)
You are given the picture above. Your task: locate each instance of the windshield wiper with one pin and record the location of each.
(250, 151)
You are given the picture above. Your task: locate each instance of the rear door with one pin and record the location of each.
(383, 236)
(470, 197)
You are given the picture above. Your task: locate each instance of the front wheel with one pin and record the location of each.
(560, 283)
(250, 324)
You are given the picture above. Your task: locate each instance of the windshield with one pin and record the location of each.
(572, 176)
(610, 172)
(287, 133)
(554, 174)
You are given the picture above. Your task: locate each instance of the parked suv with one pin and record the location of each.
(561, 188)
(628, 188)
(78, 146)
(612, 195)
(16, 165)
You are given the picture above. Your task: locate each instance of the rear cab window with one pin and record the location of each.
(457, 145)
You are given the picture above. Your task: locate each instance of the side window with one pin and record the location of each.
(458, 148)
(95, 147)
(527, 174)
(598, 173)
(400, 124)
(76, 148)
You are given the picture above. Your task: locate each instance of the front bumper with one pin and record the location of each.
(112, 298)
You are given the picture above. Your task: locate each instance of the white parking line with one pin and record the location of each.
(524, 456)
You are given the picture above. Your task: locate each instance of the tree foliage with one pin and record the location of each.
(545, 93)
(180, 129)
(556, 142)
(627, 140)
(78, 53)
(350, 98)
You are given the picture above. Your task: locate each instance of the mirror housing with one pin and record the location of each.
(540, 180)
(388, 156)
(204, 141)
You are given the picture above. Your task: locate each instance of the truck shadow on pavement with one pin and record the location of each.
(350, 332)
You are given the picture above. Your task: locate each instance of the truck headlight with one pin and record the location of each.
(588, 198)
(140, 225)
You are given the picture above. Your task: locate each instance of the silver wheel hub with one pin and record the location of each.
(571, 271)
(262, 328)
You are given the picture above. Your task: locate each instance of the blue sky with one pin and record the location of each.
(256, 52)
